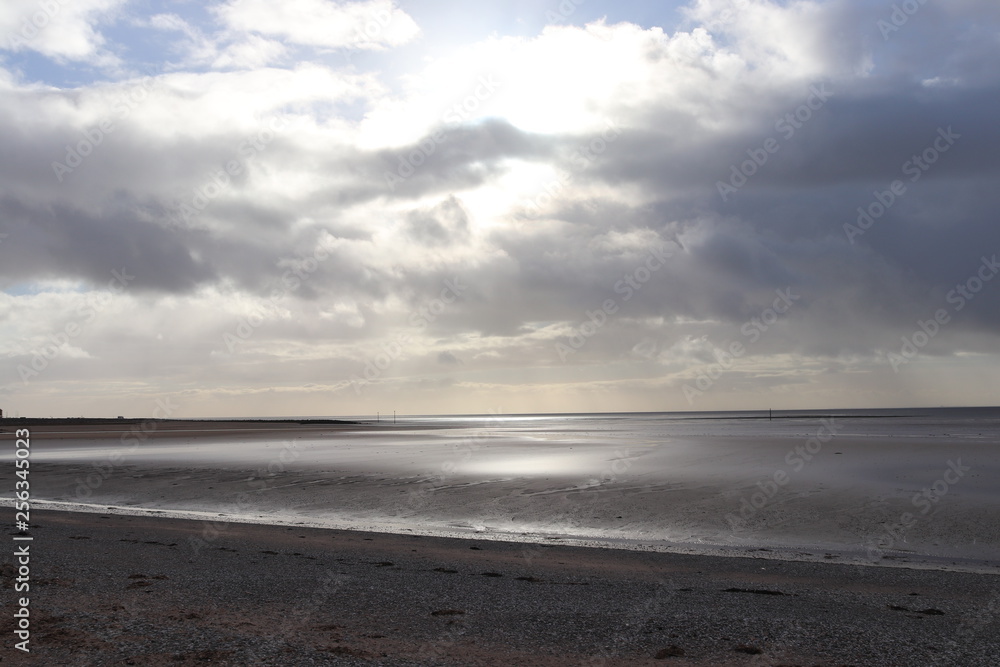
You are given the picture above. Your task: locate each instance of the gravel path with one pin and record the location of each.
(120, 590)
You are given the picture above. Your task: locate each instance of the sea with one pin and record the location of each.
(914, 487)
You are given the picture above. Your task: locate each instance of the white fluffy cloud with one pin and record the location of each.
(253, 52)
(62, 29)
(362, 25)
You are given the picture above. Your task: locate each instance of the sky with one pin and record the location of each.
(246, 208)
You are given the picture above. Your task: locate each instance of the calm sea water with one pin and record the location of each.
(835, 482)
(958, 422)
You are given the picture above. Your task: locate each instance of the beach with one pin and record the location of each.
(113, 589)
(597, 539)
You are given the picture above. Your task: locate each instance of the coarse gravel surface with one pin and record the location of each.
(139, 590)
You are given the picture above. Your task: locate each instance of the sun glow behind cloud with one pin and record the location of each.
(305, 189)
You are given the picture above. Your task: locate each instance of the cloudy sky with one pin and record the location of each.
(327, 208)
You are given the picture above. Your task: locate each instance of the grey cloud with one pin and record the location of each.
(447, 358)
(446, 223)
(784, 228)
(452, 157)
(61, 242)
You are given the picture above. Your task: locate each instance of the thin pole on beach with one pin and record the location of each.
(769, 414)
(393, 416)
(377, 416)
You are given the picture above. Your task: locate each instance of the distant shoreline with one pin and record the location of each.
(711, 415)
(105, 421)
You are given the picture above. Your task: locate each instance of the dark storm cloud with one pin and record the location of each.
(61, 242)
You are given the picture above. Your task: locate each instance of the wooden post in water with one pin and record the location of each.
(769, 414)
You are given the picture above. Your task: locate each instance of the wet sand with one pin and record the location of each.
(688, 490)
(113, 589)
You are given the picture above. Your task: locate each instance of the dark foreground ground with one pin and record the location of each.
(120, 590)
